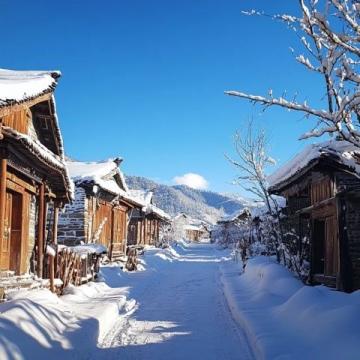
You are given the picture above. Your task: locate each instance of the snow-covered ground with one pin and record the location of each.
(173, 309)
(189, 301)
(284, 319)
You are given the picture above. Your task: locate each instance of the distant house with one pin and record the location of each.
(196, 232)
(33, 176)
(146, 220)
(189, 228)
(100, 212)
(229, 229)
(322, 189)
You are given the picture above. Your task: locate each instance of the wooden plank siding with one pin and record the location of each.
(143, 231)
(321, 190)
(102, 219)
(119, 224)
(18, 120)
(108, 225)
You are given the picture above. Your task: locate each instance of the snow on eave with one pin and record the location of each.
(340, 152)
(43, 154)
(142, 196)
(152, 209)
(17, 87)
(101, 173)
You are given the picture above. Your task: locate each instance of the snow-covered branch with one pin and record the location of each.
(332, 38)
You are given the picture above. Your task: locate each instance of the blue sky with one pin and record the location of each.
(145, 79)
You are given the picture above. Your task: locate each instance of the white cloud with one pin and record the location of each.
(192, 180)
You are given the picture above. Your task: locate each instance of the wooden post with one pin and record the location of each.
(144, 230)
(126, 230)
(3, 174)
(54, 242)
(41, 231)
(112, 233)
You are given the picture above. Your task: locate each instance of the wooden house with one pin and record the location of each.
(33, 173)
(147, 220)
(189, 228)
(101, 209)
(196, 232)
(322, 190)
(231, 228)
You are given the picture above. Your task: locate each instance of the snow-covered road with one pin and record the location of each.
(180, 310)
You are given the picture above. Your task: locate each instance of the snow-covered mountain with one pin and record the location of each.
(205, 205)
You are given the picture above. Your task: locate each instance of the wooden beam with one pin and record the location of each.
(6, 110)
(3, 171)
(16, 180)
(41, 231)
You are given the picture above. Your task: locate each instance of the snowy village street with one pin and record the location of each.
(173, 308)
(181, 312)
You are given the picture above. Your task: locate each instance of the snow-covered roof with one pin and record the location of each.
(100, 173)
(103, 174)
(145, 198)
(159, 212)
(341, 152)
(235, 215)
(193, 227)
(142, 196)
(19, 86)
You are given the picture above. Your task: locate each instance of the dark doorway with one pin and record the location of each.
(318, 241)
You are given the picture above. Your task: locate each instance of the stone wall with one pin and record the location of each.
(72, 224)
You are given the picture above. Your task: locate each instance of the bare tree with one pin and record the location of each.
(252, 161)
(329, 30)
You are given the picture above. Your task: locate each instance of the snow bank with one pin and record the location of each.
(285, 319)
(39, 325)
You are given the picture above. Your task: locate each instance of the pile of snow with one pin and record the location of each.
(39, 325)
(285, 319)
(341, 151)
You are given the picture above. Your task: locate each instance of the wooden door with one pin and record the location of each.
(119, 226)
(5, 250)
(102, 224)
(331, 247)
(318, 245)
(13, 221)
